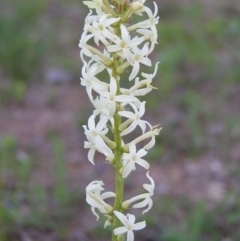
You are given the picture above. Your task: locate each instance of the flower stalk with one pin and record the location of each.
(115, 50)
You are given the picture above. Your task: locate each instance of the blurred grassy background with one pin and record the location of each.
(196, 161)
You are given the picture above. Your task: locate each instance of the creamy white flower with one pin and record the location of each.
(150, 77)
(151, 35)
(82, 44)
(96, 200)
(134, 119)
(139, 12)
(139, 56)
(94, 130)
(90, 81)
(150, 134)
(131, 158)
(136, 89)
(103, 28)
(153, 18)
(88, 20)
(150, 22)
(90, 144)
(147, 200)
(97, 145)
(129, 225)
(111, 98)
(124, 44)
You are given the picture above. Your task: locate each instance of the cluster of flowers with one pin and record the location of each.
(118, 46)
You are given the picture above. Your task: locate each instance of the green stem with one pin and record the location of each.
(117, 155)
(118, 176)
(119, 184)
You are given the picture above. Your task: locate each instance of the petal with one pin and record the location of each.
(151, 180)
(87, 145)
(131, 218)
(156, 69)
(121, 217)
(128, 55)
(150, 144)
(92, 70)
(102, 147)
(142, 204)
(108, 195)
(89, 93)
(138, 226)
(130, 236)
(132, 148)
(126, 156)
(143, 163)
(141, 153)
(130, 128)
(146, 61)
(142, 125)
(150, 204)
(101, 103)
(124, 33)
(91, 154)
(93, 210)
(92, 202)
(142, 108)
(113, 48)
(128, 168)
(91, 122)
(135, 70)
(144, 31)
(106, 224)
(120, 230)
(135, 42)
(144, 49)
(141, 92)
(112, 109)
(125, 98)
(155, 9)
(113, 86)
(135, 105)
(101, 124)
(127, 114)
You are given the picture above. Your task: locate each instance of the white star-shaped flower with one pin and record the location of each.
(129, 225)
(94, 130)
(96, 200)
(131, 158)
(147, 200)
(124, 44)
(109, 99)
(134, 119)
(153, 36)
(97, 145)
(103, 28)
(136, 89)
(90, 81)
(154, 131)
(153, 18)
(88, 20)
(82, 44)
(139, 56)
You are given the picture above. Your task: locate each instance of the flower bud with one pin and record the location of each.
(137, 6)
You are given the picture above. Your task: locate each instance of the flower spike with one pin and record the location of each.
(109, 48)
